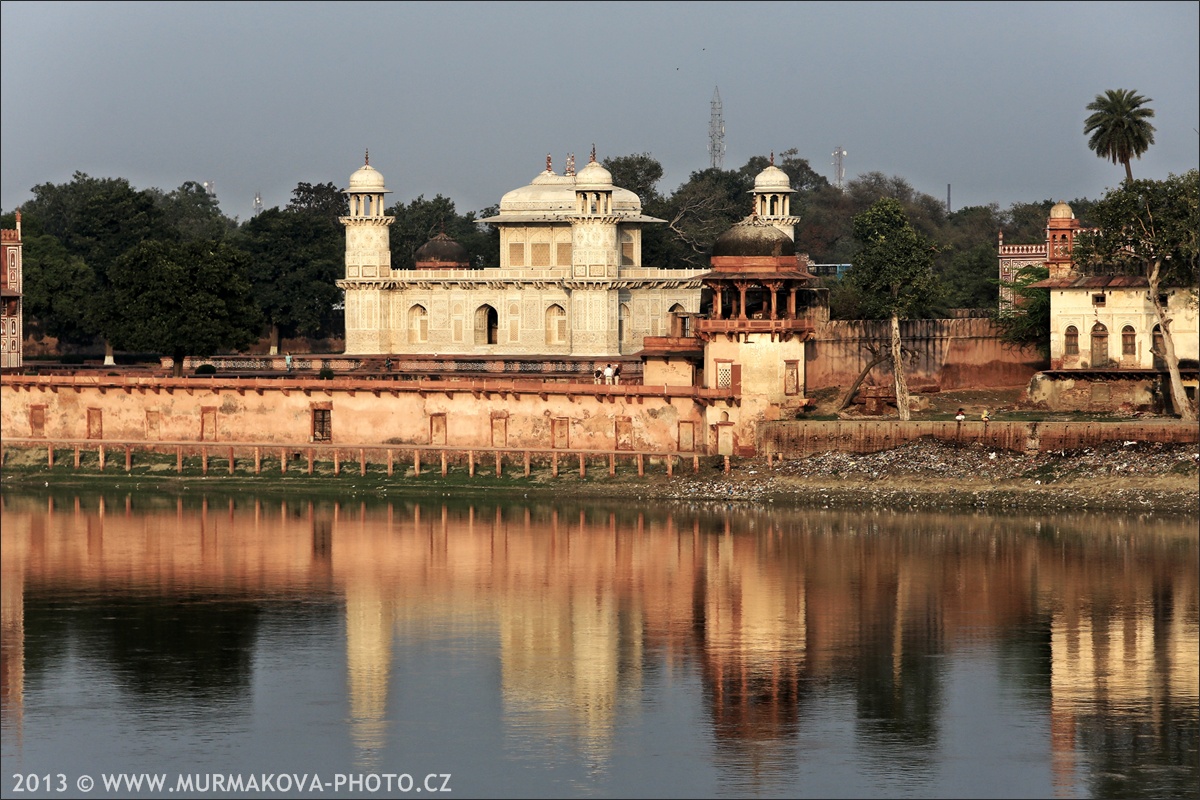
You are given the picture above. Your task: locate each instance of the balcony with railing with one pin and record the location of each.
(736, 327)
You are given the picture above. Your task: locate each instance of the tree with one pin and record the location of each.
(322, 199)
(1027, 322)
(894, 276)
(639, 173)
(1119, 127)
(295, 258)
(58, 288)
(1150, 228)
(702, 209)
(193, 213)
(969, 277)
(96, 220)
(421, 220)
(190, 298)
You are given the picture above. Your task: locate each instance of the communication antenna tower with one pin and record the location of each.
(716, 132)
(258, 204)
(839, 167)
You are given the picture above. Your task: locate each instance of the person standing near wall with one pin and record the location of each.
(287, 360)
(608, 373)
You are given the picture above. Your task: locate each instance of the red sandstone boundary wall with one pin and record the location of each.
(478, 413)
(795, 439)
(952, 353)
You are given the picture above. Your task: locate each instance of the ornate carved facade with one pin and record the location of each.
(11, 324)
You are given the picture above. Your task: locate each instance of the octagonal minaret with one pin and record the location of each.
(368, 250)
(368, 261)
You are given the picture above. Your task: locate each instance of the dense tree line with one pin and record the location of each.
(89, 253)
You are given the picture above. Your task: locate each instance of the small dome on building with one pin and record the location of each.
(366, 179)
(1061, 211)
(754, 238)
(593, 178)
(772, 179)
(441, 249)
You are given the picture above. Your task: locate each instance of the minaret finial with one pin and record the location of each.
(548, 167)
(367, 158)
(593, 152)
(570, 164)
(772, 158)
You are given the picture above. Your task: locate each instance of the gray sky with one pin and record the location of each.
(466, 99)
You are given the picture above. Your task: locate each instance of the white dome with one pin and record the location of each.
(624, 201)
(593, 177)
(366, 179)
(548, 191)
(772, 179)
(552, 196)
(1061, 211)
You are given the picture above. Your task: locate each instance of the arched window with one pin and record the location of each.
(622, 322)
(1071, 341)
(1099, 346)
(681, 325)
(556, 325)
(418, 325)
(1158, 348)
(1128, 341)
(487, 325)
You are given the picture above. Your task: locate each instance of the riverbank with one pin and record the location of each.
(1131, 477)
(1126, 477)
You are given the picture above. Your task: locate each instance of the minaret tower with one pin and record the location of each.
(368, 260)
(773, 199)
(1061, 229)
(595, 260)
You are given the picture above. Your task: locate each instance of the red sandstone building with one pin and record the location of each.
(11, 327)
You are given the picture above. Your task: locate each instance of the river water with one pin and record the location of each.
(240, 645)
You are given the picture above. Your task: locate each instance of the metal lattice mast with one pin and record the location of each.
(839, 167)
(716, 132)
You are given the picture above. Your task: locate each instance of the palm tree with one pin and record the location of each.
(1120, 127)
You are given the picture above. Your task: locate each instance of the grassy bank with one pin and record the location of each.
(1146, 478)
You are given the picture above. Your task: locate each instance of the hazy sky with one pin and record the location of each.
(466, 99)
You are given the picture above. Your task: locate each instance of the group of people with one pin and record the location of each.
(962, 415)
(611, 374)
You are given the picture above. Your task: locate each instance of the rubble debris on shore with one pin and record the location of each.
(1134, 477)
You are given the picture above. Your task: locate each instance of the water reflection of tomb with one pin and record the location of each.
(768, 607)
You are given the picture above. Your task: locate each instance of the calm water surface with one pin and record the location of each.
(592, 650)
